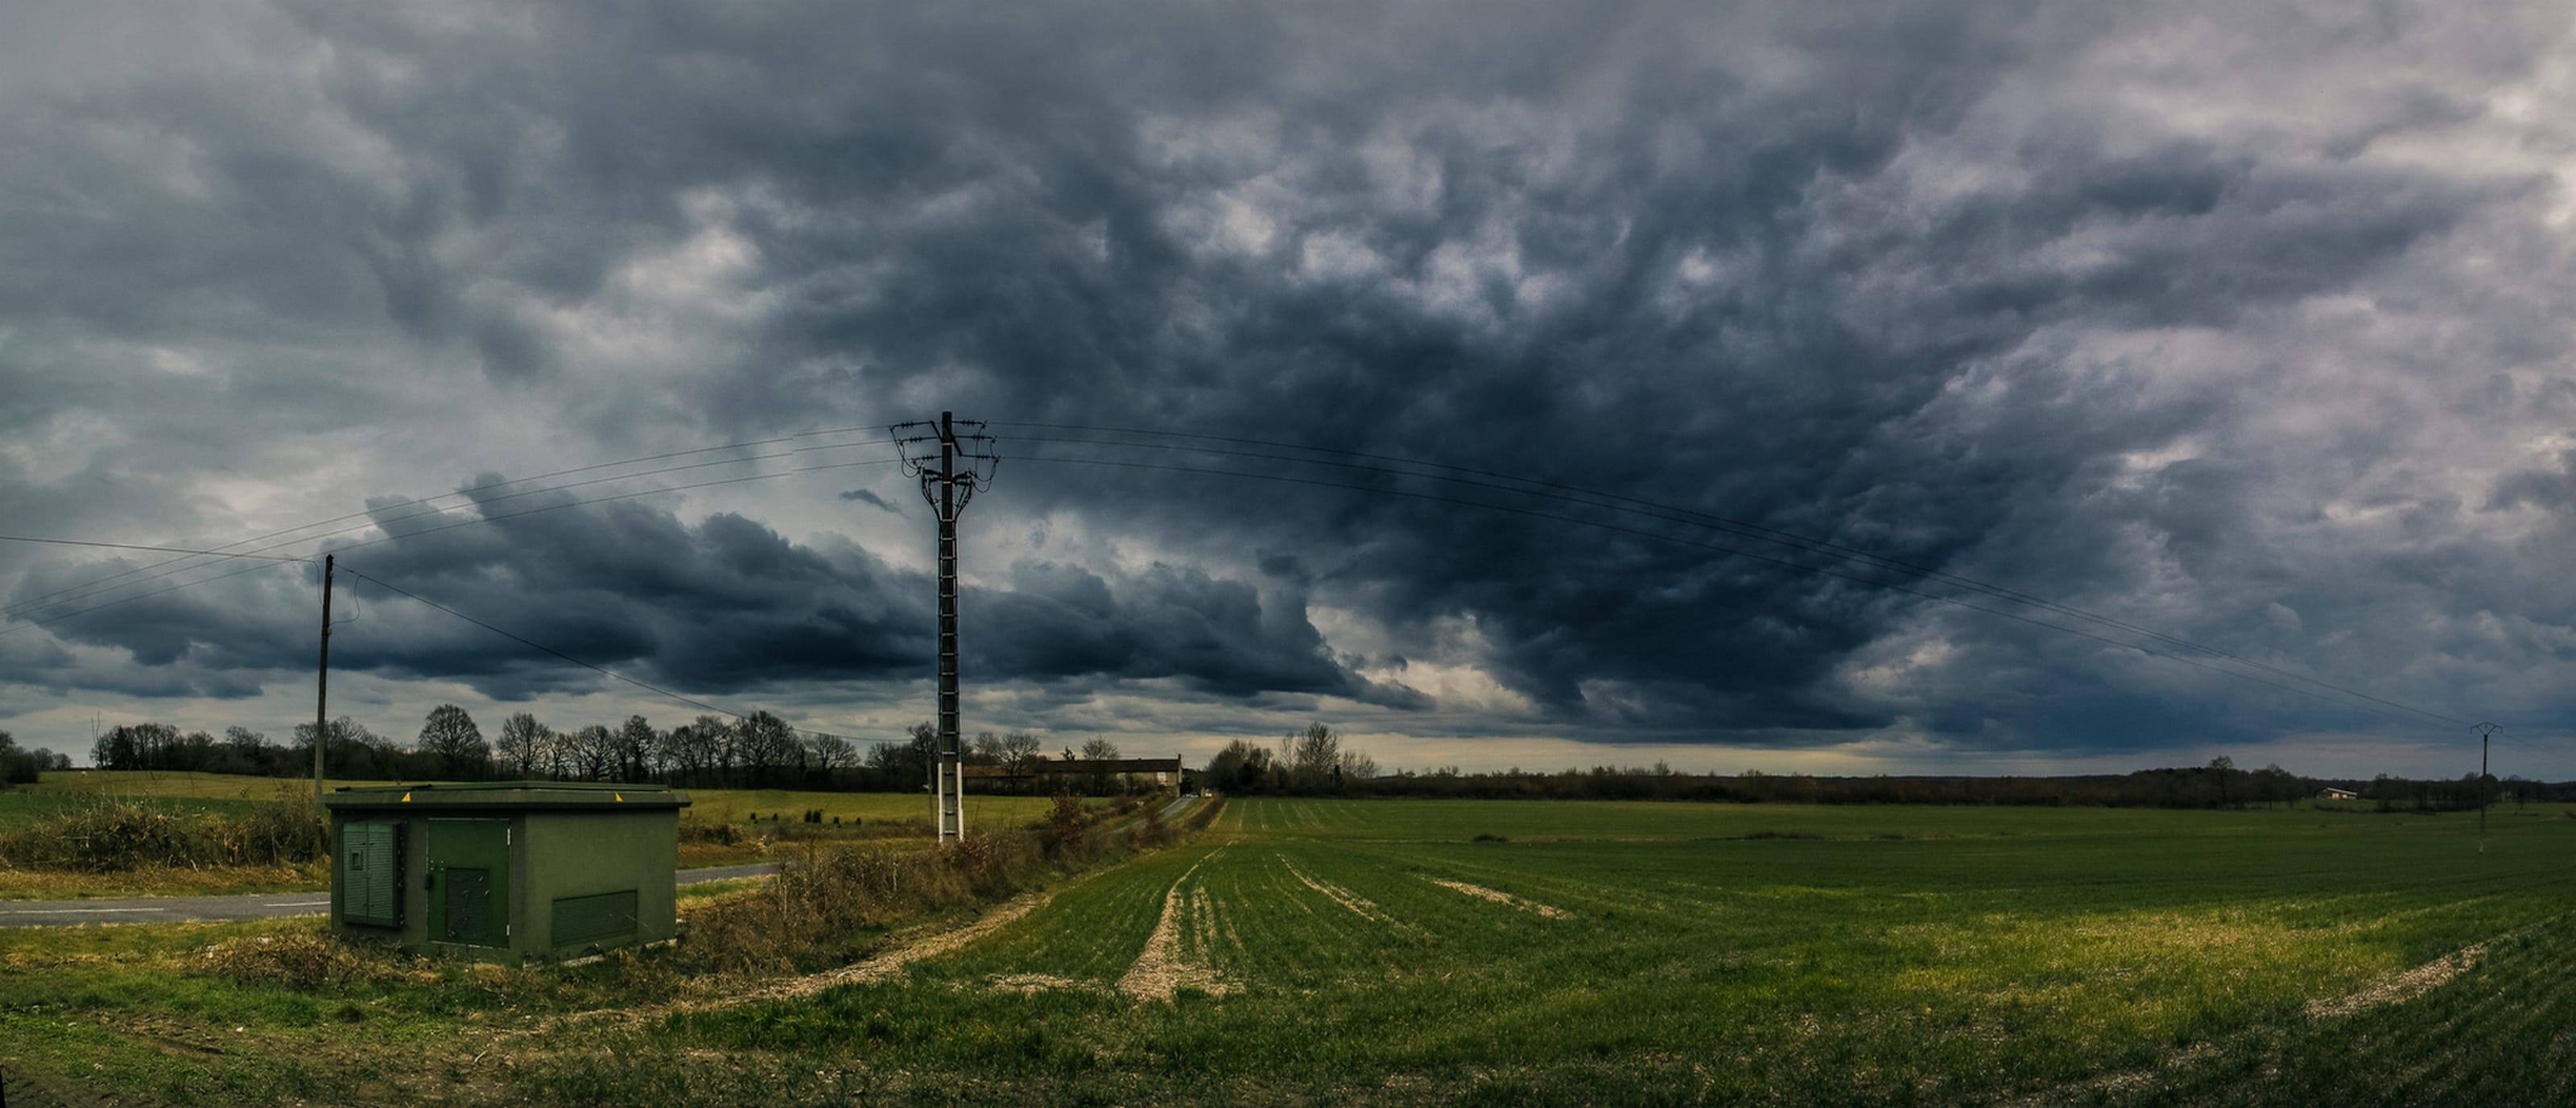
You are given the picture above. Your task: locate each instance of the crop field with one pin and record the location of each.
(1652, 953)
(705, 805)
(23, 807)
(1537, 952)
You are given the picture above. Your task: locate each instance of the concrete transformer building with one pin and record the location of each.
(506, 871)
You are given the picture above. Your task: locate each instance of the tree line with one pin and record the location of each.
(755, 751)
(1312, 762)
(1315, 762)
(21, 767)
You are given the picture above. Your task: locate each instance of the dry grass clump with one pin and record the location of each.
(822, 907)
(702, 831)
(24, 884)
(817, 904)
(304, 961)
(115, 836)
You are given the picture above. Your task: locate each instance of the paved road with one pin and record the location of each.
(170, 909)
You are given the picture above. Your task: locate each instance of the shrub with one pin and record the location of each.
(1061, 834)
(821, 906)
(304, 961)
(113, 836)
(723, 834)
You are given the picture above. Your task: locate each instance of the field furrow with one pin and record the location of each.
(1482, 893)
(1164, 967)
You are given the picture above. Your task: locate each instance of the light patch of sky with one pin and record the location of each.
(1332, 256)
(1920, 664)
(1456, 688)
(1406, 179)
(64, 443)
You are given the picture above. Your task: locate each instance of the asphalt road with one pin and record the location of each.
(172, 909)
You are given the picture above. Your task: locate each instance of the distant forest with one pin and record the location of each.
(2195, 787)
(762, 751)
(759, 751)
(1316, 763)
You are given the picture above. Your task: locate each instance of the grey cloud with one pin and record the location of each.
(723, 606)
(864, 496)
(1942, 282)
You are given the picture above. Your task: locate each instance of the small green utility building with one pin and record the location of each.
(506, 871)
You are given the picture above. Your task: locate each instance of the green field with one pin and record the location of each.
(780, 814)
(1377, 952)
(706, 805)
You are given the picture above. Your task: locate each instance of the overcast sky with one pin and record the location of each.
(2247, 328)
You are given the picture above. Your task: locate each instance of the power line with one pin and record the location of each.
(24, 606)
(106, 583)
(131, 599)
(59, 617)
(1741, 529)
(92, 588)
(135, 546)
(535, 645)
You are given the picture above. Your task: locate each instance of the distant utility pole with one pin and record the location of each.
(2484, 730)
(948, 488)
(322, 683)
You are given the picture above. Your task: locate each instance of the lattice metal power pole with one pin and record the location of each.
(948, 488)
(2483, 730)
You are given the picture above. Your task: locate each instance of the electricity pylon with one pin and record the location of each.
(948, 488)
(2484, 730)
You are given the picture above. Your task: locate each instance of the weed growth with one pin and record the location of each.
(115, 836)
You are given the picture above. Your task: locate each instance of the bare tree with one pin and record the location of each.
(1099, 749)
(637, 747)
(591, 752)
(767, 745)
(526, 745)
(830, 752)
(1356, 766)
(692, 749)
(1019, 750)
(724, 742)
(1313, 755)
(909, 759)
(450, 735)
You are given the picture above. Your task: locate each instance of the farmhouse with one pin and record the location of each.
(2332, 793)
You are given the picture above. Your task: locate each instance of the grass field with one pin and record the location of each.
(780, 812)
(1380, 952)
(705, 805)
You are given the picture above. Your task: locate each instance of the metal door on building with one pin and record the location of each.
(469, 881)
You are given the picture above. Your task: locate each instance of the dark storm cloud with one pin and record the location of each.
(864, 496)
(1981, 287)
(722, 606)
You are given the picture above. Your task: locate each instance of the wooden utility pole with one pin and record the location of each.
(322, 682)
(955, 487)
